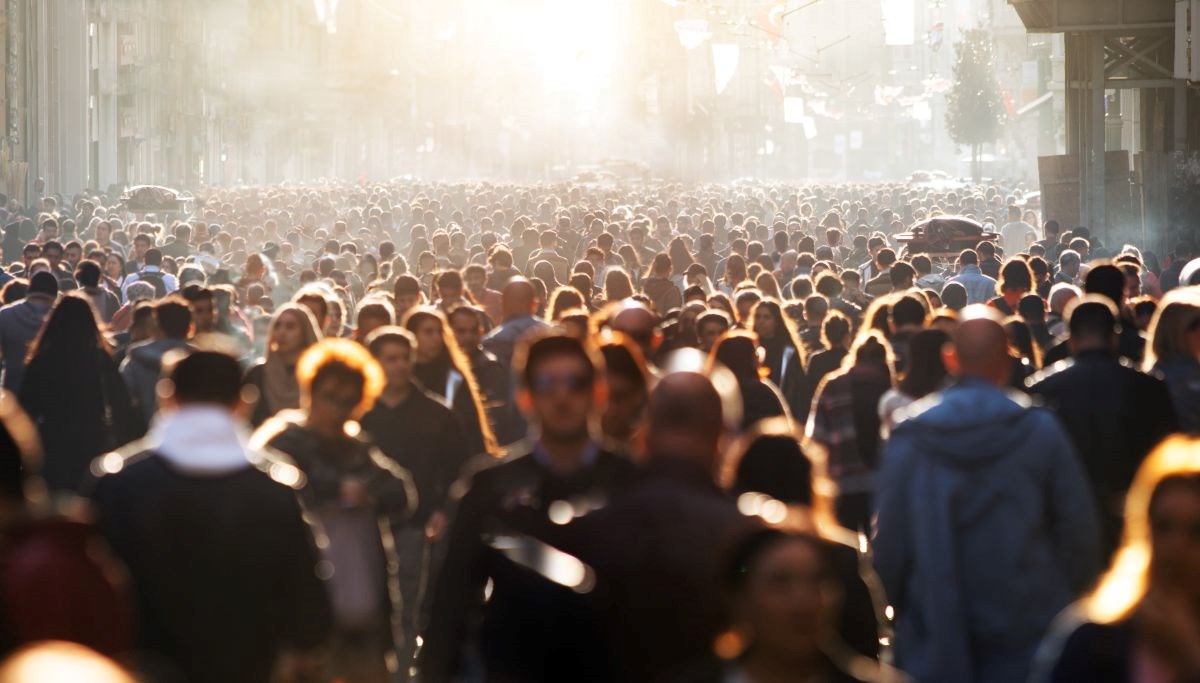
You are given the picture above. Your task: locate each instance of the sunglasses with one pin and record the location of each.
(576, 384)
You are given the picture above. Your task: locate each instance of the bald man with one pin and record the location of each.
(656, 548)
(986, 527)
(519, 302)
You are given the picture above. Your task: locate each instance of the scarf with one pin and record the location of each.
(281, 389)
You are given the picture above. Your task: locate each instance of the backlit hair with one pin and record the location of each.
(1122, 588)
(341, 358)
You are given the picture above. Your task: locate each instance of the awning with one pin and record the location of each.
(1035, 104)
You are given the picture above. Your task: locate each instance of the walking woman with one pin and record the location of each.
(1174, 352)
(1142, 622)
(443, 369)
(74, 394)
(777, 337)
(926, 373)
(293, 329)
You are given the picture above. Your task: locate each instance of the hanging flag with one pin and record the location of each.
(899, 22)
(936, 35)
(770, 19)
(692, 32)
(725, 63)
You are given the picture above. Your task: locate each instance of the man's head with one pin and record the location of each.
(339, 381)
(87, 274)
(406, 294)
(685, 421)
(373, 314)
(203, 305)
(710, 325)
(636, 321)
(202, 378)
(395, 349)
(153, 257)
(518, 298)
(980, 346)
(1092, 320)
(173, 318)
(466, 322)
(560, 384)
(1108, 280)
(52, 251)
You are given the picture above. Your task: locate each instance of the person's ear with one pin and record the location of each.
(950, 359)
(524, 401)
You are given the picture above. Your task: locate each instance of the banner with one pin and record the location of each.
(725, 63)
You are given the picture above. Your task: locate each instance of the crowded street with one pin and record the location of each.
(520, 414)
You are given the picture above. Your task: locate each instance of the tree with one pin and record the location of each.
(974, 111)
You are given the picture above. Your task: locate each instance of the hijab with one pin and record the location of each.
(280, 386)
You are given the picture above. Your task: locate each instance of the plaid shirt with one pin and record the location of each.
(845, 420)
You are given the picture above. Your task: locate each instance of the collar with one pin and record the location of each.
(151, 269)
(200, 439)
(590, 453)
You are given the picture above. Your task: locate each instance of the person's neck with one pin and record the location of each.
(395, 394)
(325, 431)
(566, 451)
(767, 667)
(291, 357)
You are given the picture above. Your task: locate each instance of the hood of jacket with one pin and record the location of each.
(656, 286)
(151, 352)
(968, 425)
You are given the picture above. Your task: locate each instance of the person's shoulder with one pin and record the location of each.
(126, 462)
(1051, 376)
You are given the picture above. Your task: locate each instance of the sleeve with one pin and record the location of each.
(392, 487)
(1075, 528)
(458, 590)
(892, 543)
(306, 602)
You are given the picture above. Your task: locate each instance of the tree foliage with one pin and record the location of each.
(974, 111)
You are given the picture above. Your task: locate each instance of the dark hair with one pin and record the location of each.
(1032, 308)
(153, 257)
(738, 351)
(1020, 337)
(1092, 317)
(1015, 274)
(745, 555)
(197, 292)
(406, 285)
(70, 332)
(624, 359)
(537, 348)
(907, 310)
(390, 334)
(775, 464)
(206, 377)
(926, 370)
(954, 296)
(900, 272)
(968, 257)
(1106, 279)
(87, 273)
(835, 328)
(173, 317)
(829, 285)
(922, 264)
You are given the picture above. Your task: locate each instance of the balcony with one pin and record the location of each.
(1059, 16)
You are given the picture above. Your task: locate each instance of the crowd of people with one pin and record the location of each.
(567, 432)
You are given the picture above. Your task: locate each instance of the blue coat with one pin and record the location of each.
(986, 530)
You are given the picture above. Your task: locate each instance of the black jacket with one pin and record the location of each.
(423, 436)
(223, 567)
(530, 629)
(1115, 416)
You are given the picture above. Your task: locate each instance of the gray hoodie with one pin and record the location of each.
(141, 370)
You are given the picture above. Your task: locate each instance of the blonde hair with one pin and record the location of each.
(344, 357)
(1123, 586)
(1178, 311)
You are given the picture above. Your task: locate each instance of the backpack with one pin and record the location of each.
(155, 278)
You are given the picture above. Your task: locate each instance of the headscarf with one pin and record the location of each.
(280, 386)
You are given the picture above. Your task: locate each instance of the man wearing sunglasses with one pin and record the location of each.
(529, 628)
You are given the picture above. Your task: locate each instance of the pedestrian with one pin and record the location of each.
(218, 598)
(143, 361)
(292, 331)
(976, 557)
(356, 496)
(527, 629)
(1173, 352)
(75, 394)
(845, 420)
(20, 323)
